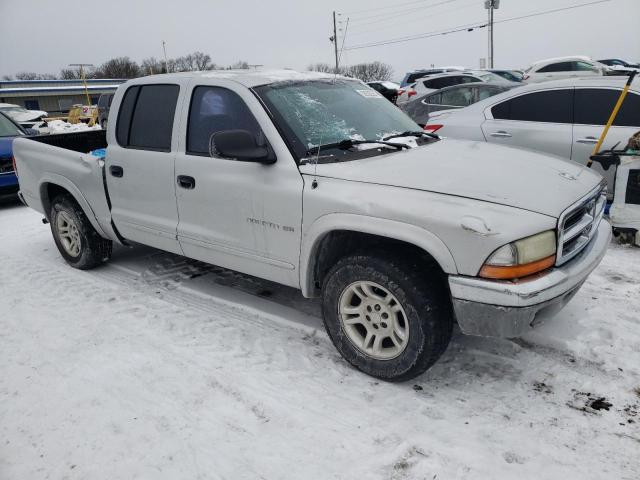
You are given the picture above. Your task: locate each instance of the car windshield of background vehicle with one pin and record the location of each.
(8, 128)
(321, 112)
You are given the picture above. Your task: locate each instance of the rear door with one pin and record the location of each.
(540, 120)
(592, 107)
(140, 166)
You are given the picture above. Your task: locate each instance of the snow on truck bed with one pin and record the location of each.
(160, 367)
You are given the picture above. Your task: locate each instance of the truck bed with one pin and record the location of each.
(48, 163)
(83, 142)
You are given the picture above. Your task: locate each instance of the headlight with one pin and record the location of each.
(521, 258)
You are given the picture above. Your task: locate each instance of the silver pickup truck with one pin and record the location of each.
(317, 182)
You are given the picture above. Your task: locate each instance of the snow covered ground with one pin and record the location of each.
(158, 367)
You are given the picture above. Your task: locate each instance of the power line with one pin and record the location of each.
(461, 28)
(469, 27)
(396, 5)
(416, 18)
(385, 16)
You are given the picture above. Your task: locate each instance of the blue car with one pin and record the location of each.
(8, 131)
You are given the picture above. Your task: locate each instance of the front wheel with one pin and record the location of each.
(388, 316)
(77, 241)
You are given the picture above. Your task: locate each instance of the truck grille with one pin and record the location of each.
(579, 223)
(6, 165)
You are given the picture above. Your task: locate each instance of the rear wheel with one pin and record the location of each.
(386, 315)
(77, 241)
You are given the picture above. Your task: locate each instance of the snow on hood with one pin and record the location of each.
(482, 171)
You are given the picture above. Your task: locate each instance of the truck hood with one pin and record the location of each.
(507, 176)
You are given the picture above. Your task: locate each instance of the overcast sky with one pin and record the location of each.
(45, 35)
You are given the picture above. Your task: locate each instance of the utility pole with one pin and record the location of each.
(490, 5)
(83, 78)
(164, 49)
(335, 40)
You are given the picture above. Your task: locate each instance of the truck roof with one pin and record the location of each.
(248, 78)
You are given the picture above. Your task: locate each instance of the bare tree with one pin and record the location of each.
(239, 65)
(7, 77)
(152, 66)
(69, 74)
(34, 76)
(120, 67)
(368, 72)
(321, 67)
(202, 61)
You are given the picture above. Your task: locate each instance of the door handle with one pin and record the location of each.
(184, 181)
(589, 140)
(116, 171)
(500, 134)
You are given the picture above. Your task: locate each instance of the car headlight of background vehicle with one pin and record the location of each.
(522, 257)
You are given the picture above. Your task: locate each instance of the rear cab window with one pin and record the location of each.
(146, 116)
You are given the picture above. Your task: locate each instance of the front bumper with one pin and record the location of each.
(492, 308)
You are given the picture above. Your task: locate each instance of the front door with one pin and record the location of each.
(538, 121)
(240, 215)
(140, 166)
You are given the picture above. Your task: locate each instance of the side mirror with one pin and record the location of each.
(240, 145)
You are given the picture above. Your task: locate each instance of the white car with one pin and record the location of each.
(432, 83)
(618, 65)
(562, 68)
(564, 118)
(26, 118)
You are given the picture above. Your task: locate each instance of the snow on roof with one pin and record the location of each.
(251, 78)
(563, 59)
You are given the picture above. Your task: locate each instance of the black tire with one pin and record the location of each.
(422, 294)
(93, 249)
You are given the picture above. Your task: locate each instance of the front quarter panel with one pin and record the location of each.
(459, 233)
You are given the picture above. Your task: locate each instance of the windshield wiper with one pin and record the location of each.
(411, 134)
(348, 143)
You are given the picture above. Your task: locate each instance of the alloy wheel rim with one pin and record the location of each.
(68, 233)
(373, 320)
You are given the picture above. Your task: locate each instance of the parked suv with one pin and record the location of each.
(442, 80)
(104, 105)
(411, 77)
(562, 68)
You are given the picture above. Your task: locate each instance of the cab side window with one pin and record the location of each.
(215, 109)
(145, 119)
(552, 106)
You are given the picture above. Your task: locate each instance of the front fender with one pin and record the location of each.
(383, 227)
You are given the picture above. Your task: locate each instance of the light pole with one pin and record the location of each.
(490, 5)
